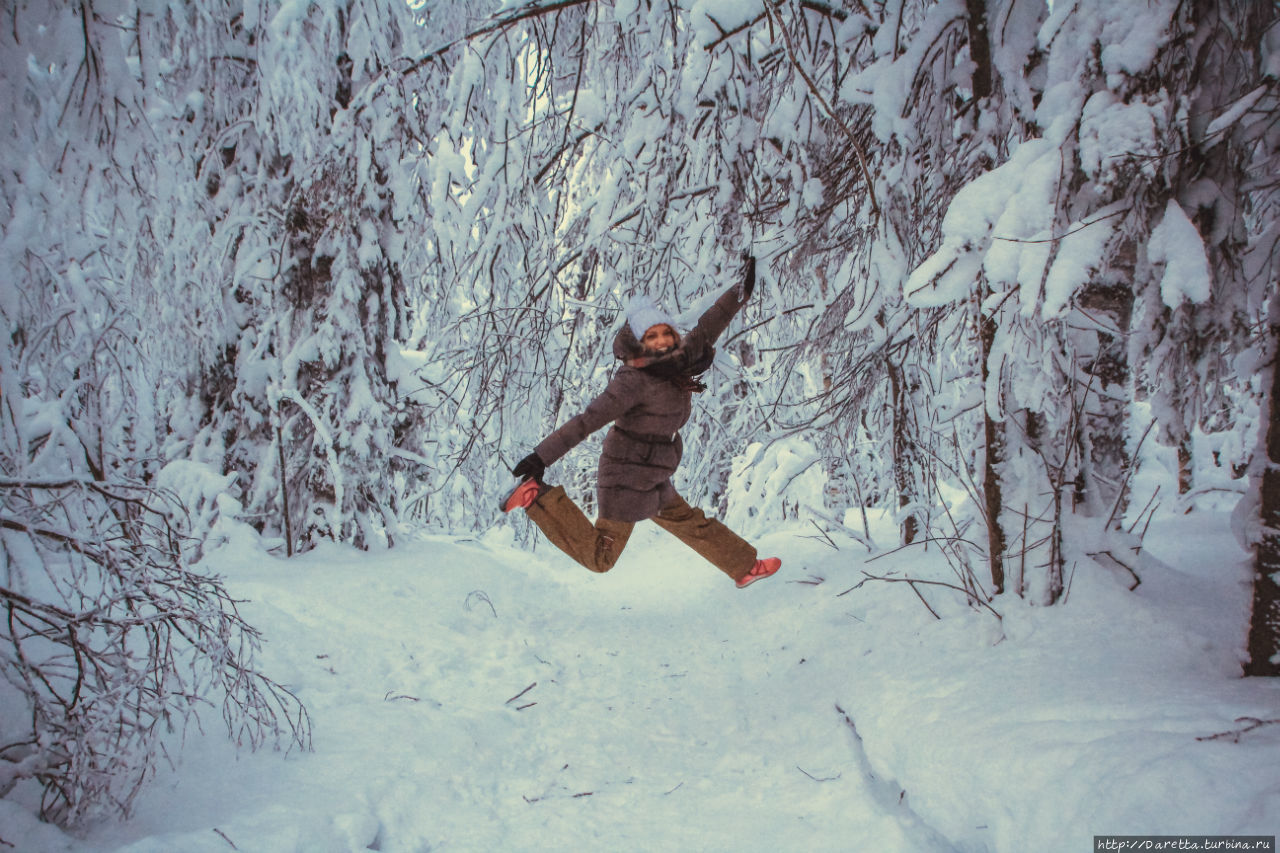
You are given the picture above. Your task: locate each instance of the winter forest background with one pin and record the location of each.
(329, 268)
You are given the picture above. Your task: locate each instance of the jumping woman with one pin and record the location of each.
(648, 400)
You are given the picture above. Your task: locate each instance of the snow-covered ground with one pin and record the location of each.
(471, 695)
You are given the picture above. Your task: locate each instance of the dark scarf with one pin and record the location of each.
(681, 365)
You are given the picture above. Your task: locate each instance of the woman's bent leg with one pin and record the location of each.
(595, 546)
(719, 545)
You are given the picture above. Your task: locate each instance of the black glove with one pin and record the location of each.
(530, 467)
(749, 277)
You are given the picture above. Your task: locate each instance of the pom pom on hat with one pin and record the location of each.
(643, 314)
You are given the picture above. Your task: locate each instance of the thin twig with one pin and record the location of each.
(824, 535)
(1128, 475)
(1137, 581)
(398, 696)
(913, 581)
(923, 600)
(1234, 736)
(925, 541)
(1061, 237)
(827, 108)
(223, 836)
(817, 779)
(480, 595)
(521, 693)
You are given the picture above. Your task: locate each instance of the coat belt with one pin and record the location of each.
(649, 438)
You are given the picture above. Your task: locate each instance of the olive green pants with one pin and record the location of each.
(598, 546)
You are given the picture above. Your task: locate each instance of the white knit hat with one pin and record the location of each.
(643, 314)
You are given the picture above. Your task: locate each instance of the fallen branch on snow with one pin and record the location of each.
(817, 779)
(1234, 736)
(912, 582)
(521, 693)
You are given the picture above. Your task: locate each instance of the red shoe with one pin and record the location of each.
(523, 495)
(762, 569)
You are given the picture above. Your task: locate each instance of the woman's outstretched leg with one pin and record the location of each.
(595, 546)
(717, 544)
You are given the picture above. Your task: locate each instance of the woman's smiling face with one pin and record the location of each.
(659, 339)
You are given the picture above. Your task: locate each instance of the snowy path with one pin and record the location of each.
(463, 703)
(475, 696)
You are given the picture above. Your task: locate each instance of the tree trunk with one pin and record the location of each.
(902, 473)
(993, 439)
(992, 493)
(1184, 466)
(979, 48)
(1264, 626)
(1106, 303)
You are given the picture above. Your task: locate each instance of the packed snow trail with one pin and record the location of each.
(470, 696)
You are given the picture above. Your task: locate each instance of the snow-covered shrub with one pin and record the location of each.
(775, 483)
(111, 642)
(208, 501)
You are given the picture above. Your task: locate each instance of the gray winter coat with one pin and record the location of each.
(647, 409)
